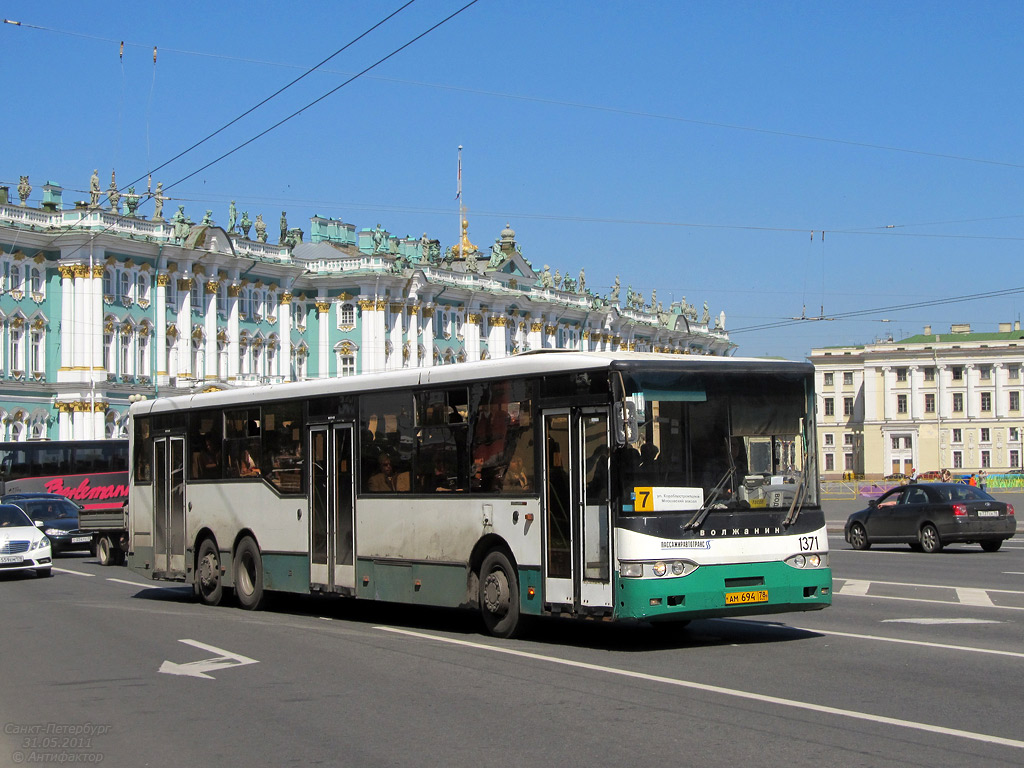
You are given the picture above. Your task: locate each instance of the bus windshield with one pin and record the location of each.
(712, 440)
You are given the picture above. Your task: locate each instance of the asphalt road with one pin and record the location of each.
(919, 662)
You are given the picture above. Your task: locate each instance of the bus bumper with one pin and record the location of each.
(763, 588)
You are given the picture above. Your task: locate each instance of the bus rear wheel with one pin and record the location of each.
(249, 575)
(208, 586)
(499, 595)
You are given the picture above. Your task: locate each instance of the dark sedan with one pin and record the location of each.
(927, 516)
(59, 517)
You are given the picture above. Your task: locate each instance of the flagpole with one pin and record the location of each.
(458, 198)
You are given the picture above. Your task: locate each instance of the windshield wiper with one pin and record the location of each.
(705, 508)
(798, 495)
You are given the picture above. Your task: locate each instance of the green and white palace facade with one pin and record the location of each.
(100, 306)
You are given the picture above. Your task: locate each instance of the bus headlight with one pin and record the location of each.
(808, 561)
(660, 569)
(678, 568)
(631, 570)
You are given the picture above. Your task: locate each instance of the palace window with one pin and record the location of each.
(958, 402)
(848, 378)
(828, 379)
(901, 403)
(1014, 400)
(929, 402)
(848, 406)
(830, 406)
(986, 401)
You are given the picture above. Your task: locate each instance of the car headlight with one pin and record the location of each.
(631, 570)
(54, 532)
(41, 544)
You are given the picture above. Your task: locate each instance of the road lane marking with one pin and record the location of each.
(73, 573)
(147, 585)
(222, 660)
(939, 586)
(928, 600)
(733, 692)
(941, 621)
(970, 596)
(853, 587)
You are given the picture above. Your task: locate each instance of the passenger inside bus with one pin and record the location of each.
(388, 479)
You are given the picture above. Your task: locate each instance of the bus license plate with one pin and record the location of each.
(11, 558)
(740, 598)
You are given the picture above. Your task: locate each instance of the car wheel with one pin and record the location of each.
(930, 541)
(992, 546)
(249, 575)
(499, 595)
(104, 552)
(208, 586)
(44, 572)
(859, 537)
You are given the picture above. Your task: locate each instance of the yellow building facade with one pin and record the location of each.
(928, 402)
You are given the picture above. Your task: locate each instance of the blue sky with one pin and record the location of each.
(690, 148)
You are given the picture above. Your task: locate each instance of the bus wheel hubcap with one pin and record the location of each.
(496, 592)
(206, 572)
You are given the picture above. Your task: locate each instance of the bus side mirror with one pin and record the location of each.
(625, 423)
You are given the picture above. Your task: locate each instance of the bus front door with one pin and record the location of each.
(331, 509)
(169, 506)
(577, 551)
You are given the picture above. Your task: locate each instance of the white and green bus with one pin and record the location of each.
(610, 486)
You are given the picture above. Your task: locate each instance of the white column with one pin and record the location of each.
(413, 334)
(284, 330)
(323, 318)
(428, 337)
(160, 338)
(915, 406)
(64, 421)
(233, 331)
(496, 338)
(371, 312)
(185, 287)
(471, 331)
(945, 376)
(93, 340)
(534, 338)
(888, 377)
(972, 374)
(210, 329)
(999, 408)
(67, 326)
(397, 311)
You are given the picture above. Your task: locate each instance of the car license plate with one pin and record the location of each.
(988, 513)
(753, 596)
(81, 540)
(11, 558)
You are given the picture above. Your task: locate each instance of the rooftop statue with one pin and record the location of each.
(496, 255)
(180, 225)
(471, 265)
(246, 224)
(158, 202)
(379, 240)
(94, 188)
(207, 218)
(284, 228)
(707, 315)
(112, 194)
(614, 296)
(131, 202)
(558, 279)
(261, 228)
(232, 216)
(581, 282)
(24, 189)
(545, 278)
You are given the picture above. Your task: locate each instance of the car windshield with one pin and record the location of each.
(11, 516)
(729, 443)
(49, 509)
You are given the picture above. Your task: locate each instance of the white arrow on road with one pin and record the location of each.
(223, 660)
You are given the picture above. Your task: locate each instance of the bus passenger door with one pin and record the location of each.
(331, 508)
(577, 551)
(169, 505)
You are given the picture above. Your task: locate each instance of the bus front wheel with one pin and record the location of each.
(499, 595)
(249, 575)
(208, 586)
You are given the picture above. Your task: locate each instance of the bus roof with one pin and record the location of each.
(536, 363)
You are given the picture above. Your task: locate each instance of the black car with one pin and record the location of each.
(58, 515)
(927, 516)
